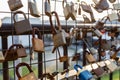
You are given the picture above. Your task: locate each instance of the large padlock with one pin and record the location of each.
(30, 76)
(33, 8)
(82, 74)
(37, 43)
(22, 26)
(15, 4)
(47, 7)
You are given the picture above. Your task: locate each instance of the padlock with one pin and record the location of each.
(114, 56)
(15, 4)
(82, 74)
(86, 7)
(47, 7)
(14, 52)
(90, 58)
(33, 8)
(30, 76)
(110, 65)
(86, 19)
(63, 58)
(59, 38)
(73, 11)
(69, 10)
(101, 5)
(99, 71)
(116, 6)
(97, 32)
(113, 15)
(89, 46)
(37, 43)
(100, 24)
(66, 9)
(22, 26)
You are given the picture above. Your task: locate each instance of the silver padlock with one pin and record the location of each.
(47, 7)
(97, 32)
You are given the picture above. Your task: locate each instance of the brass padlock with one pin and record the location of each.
(14, 52)
(37, 43)
(30, 76)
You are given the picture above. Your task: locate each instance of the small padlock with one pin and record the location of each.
(82, 74)
(33, 8)
(113, 15)
(97, 32)
(37, 43)
(116, 6)
(47, 7)
(100, 23)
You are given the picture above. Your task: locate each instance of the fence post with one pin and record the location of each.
(5, 64)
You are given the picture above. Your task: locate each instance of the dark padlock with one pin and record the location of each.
(22, 26)
(100, 24)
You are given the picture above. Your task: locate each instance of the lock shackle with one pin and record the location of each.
(63, 3)
(16, 45)
(87, 44)
(20, 65)
(58, 22)
(18, 12)
(36, 30)
(77, 66)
